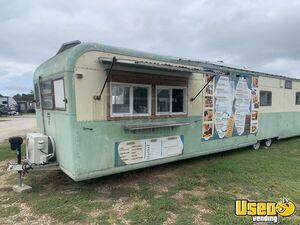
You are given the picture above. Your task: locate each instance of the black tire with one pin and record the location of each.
(268, 142)
(256, 146)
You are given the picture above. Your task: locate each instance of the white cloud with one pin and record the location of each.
(11, 70)
(261, 35)
(284, 67)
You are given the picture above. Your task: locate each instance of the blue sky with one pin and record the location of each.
(259, 35)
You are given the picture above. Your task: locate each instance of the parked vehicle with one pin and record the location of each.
(8, 105)
(12, 113)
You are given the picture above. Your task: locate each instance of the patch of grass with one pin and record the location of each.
(58, 196)
(190, 199)
(187, 182)
(120, 192)
(62, 207)
(289, 221)
(9, 211)
(222, 204)
(6, 153)
(156, 212)
(264, 171)
(186, 216)
(7, 199)
(166, 204)
(145, 190)
(150, 215)
(109, 218)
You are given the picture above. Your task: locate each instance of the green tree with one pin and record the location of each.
(24, 97)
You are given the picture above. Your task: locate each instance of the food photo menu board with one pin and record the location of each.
(230, 106)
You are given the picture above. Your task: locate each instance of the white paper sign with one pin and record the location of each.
(149, 149)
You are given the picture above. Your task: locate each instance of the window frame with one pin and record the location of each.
(260, 102)
(131, 113)
(37, 95)
(49, 94)
(288, 82)
(171, 102)
(297, 92)
(54, 102)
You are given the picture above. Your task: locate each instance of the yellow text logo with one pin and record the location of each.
(264, 211)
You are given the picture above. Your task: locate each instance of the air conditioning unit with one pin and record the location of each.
(39, 148)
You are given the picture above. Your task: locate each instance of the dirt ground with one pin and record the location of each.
(16, 126)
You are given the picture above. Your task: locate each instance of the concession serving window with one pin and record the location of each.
(146, 89)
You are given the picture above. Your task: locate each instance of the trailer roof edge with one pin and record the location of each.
(65, 60)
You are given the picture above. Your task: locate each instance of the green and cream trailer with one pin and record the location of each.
(107, 110)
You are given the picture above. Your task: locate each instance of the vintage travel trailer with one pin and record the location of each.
(103, 110)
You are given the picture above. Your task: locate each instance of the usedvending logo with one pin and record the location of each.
(264, 211)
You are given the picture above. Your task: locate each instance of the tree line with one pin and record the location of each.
(23, 96)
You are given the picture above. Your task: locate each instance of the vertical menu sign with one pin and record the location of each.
(208, 108)
(230, 106)
(255, 105)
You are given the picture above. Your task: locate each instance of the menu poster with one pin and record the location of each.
(137, 151)
(242, 104)
(224, 97)
(230, 106)
(208, 108)
(254, 105)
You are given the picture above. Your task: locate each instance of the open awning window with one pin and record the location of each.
(144, 66)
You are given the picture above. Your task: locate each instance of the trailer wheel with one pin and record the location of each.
(268, 142)
(256, 145)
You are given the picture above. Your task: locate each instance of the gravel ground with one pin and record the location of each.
(16, 126)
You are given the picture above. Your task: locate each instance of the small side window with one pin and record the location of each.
(265, 98)
(297, 98)
(178, 98)
(37, 95)
(59, 94)
(120, 99)
(47, 87)
(47, 94)
(170, 100)
(141, 100)
(130, 99)
(163, 100)
(288, 84)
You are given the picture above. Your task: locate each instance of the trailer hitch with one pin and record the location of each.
(15, 145)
